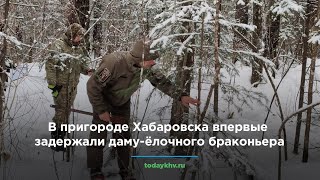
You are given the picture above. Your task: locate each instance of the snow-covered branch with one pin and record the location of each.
(12, 39)
(294, 114)
(287, 7)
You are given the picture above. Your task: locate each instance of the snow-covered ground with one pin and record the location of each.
(29, 99)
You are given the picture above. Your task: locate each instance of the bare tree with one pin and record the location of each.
(303, 73)
(314, 56)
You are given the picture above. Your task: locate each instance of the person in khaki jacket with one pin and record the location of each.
(109, 92)
(67, 59)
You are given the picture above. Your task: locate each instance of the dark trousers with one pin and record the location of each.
(120, 115)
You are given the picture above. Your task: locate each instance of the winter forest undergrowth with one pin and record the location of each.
(249, 62)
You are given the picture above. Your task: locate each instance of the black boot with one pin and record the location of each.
(128, 178)
(127, 175)
(58, 134)
(96, 174)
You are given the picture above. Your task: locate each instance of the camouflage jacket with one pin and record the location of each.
(65, 63)
(117, 78)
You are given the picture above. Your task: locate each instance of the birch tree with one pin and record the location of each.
(4, 24)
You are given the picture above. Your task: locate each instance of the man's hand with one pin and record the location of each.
(90, 72)
(105, 117)
(186, 100)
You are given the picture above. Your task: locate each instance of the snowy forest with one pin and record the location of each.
(247, 61)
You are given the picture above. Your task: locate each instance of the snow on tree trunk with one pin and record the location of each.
(256, 75)
(179, 112)
(3, 79)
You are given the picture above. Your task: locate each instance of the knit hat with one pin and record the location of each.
(74, 30)
(140, 48)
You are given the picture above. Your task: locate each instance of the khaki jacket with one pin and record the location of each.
(65, 63)
(117, 78)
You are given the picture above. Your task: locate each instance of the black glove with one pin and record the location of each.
(90, 71)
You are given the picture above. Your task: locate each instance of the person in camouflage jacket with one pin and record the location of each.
(109, 91)
(67, 59)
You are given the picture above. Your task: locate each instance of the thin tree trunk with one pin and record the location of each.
(303, 76)
(270, 51)
(71, 14)
(299, 40)
(309, 111)
(281, 128)
(217, 62)
(30, 52)
(272, 37)
(199, 121)
(242, 16)
(178, 111)
(3, 77)
(200, 68)
(314, 54)
(256, 75)
(97, 31)
(215, 87)
(83, 8)
(280, 110)
(43, 20)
